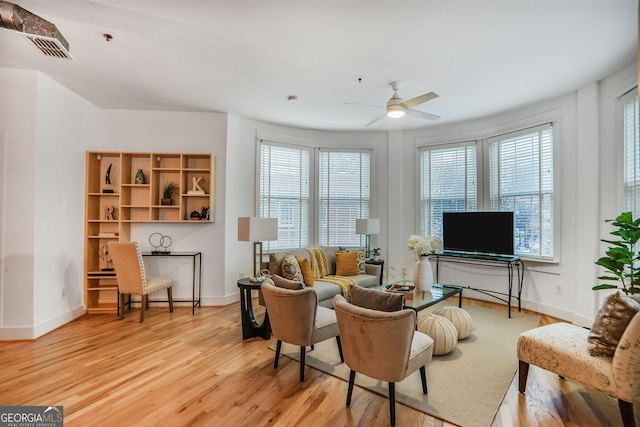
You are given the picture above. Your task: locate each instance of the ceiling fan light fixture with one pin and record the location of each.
(395, 111)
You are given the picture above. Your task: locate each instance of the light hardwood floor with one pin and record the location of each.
(176, 369)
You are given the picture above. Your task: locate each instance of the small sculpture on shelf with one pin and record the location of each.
(107, 180)
(195, 216)
(110, 214)
(140, 177)
(196, 189)
(158, 240)
(204, 213)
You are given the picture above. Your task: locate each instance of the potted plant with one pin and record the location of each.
(376, 254)
(620, 260)
(168, 191)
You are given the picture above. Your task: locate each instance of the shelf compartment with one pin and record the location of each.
(166, 161)
(165, 213)
(196, 161)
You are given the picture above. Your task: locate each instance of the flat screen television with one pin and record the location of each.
(478, 232)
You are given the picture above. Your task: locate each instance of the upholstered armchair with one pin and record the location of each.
(131, 277)
(297, 319)
(382, 345)
(562, 348)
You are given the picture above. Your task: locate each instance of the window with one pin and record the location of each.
(344, 195)
(632, 153)
(521, 180)
(284, 193)
(448, 183)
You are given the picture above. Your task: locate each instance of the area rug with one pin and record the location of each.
(465, 386)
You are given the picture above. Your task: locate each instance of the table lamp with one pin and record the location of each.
(257, 230)
(368, 226)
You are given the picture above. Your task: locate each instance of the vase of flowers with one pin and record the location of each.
(423, 247)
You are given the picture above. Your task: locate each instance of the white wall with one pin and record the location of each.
(180, 132)
(587, 153)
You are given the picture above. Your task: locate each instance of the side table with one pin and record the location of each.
(381, 264)
(250, 327)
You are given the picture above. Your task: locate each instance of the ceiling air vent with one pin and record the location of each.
(42, 33)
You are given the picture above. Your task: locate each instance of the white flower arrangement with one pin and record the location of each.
(424, 245)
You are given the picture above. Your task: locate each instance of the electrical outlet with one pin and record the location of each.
(559, 290)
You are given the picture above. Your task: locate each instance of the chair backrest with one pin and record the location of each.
(129, 267)
(626, 361)
(292, 314)
(375, 343)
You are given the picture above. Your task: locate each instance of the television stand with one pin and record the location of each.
(502, 261)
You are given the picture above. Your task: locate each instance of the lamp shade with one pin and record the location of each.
(368, 226)
(253, 229)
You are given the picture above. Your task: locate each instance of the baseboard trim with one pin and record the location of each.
(33, 332)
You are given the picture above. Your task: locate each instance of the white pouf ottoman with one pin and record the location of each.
(441, 330)
(460, 319)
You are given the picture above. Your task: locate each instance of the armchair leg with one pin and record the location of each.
(352, 379)
(302, 353)
(523, 372)
(392, 403)
(278, 347)
(626, 411)
(170, 295)
(121, 314)
(143, 307)
(340, 348)
(423, 377)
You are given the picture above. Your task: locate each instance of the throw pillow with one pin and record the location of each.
(275, 262)
(306, 270)
(361, 257)
(376, 300)
(291, 268)
(346, 264)
(281, 282)
(611, 321)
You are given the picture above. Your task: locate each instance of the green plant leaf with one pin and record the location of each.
(603, 286)
(608, 278)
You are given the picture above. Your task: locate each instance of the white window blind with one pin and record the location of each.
(448, 183)
(284, 193)
(521, 180)
(344, 194)
(632, 152)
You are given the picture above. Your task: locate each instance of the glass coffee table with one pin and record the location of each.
(424, 299)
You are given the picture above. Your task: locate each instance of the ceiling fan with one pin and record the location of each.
(397, 108)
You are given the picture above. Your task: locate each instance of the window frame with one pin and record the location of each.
(624, 100)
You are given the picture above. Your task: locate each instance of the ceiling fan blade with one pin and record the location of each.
(419, 100)
(380, 117)
(422, 115)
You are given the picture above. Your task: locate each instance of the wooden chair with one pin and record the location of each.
(382, 345)
(129, 267)
(296, 319)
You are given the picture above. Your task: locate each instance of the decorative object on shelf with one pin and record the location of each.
(196, 189)
(204, 213)
(423, 247)
(106, 257)
(109, 213)
(158, 240)
(621, 260)
(376, 254)
(195, 216)
(140, 177)
(257, 230)
(168, 191)
(367, 226)
(107, 180)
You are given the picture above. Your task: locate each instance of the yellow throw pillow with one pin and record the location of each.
(291, 268)
(346, 263)
(307, 271)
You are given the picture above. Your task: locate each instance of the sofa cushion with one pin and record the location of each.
(307, 271)
(291, 268)
(611, 321)
(346, 263)
(281, 282)
(376, 300)
(275, 262)
(361, 257)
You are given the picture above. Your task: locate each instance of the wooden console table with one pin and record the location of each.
(511, 263)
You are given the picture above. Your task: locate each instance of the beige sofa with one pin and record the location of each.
(327, 290)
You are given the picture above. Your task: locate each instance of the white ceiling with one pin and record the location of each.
(246, 57)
